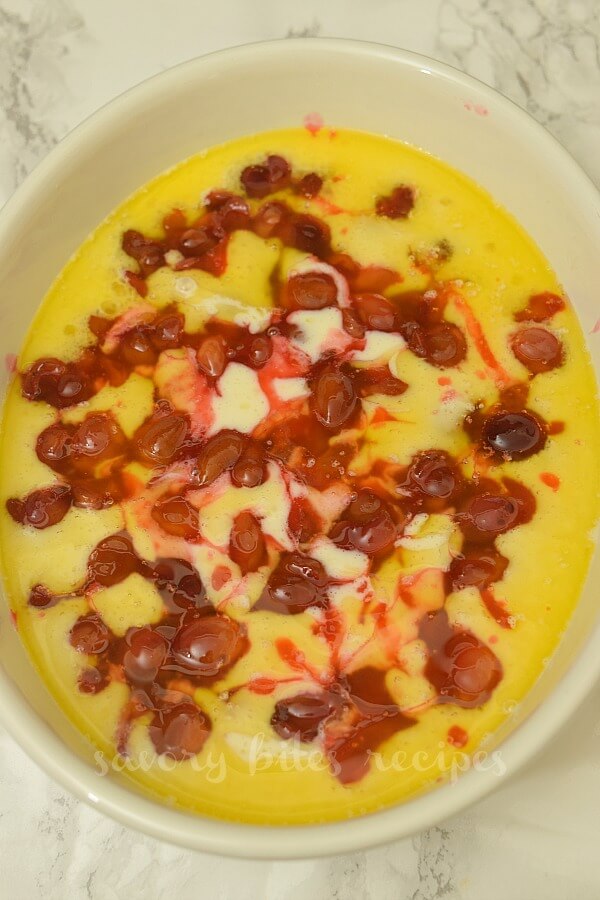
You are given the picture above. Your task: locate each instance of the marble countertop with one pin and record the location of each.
(537, 836)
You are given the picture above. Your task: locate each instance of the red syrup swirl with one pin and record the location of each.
(313, 441)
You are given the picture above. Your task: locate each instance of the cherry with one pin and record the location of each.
(53, 446)
(233, 211)
(161, 437)
(352, 324)
(180, 585)
(366, 525)
(433, 478)
(177, 517)
(179, 731)
(398, 204)
(514, 435)
(113, 560)
(89, 635)
(301, 716)
(249, 471)
(137, 347)
(260, 180)
(441, 344)
(296, 583)
(461, 668)
(212, 357)
(148, 254)
(375, 312)
(310, 290)
(167, 331)
(489, 515)
(146, 652)
(538, 349)
(217, 456)
(195, 242)
(309, 234)
(247, 547)
(42, 508)
(207, 647)
(270, 218)
(477, 569)
(333, 398)
(540, 307)
(57, 383)
(256, 352)
(91, 680)
(98, 438)
(309, 185)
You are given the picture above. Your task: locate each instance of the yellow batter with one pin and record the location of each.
(495, 267)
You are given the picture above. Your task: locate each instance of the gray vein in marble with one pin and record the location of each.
(543, 54)
(434, 865)
(33, 41)
(308, 31)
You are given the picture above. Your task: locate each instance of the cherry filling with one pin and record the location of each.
(207, 647)
(310, 439)
(538, 349)
(398, 204)
(366, 525)
(179, 731)
(302, 715)
(462, 669)
(297, 583)
(514, 435)
(310, 290)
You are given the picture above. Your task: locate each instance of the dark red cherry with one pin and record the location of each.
(461, 667)
(441, 344)
(53, 446)
(538, 349)
(179, 731)
(540, 307)
(137, 347)
(434, 476)
(99, 437)
(296, 583)
(212, 357)
(167, 331)
(180, 585)
(42, 508)
(89, 635)
(398, 204)
(207, 647)
(309, 185)
(488, 515)
(477, 569)
(249, 471)
(300, 716)
(113, 560)
(177, 517)
(218, 455)
(160, 438)
(366, 525)
(247, 547)
(375, 312)
(310, 290)
(57, 383)
(514, 435)
(333, 399)
(146, 652)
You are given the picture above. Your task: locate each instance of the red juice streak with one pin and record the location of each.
(498, 373)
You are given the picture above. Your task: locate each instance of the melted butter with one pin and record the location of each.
(499, 268)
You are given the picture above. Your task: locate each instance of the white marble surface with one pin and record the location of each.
(537, 837)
